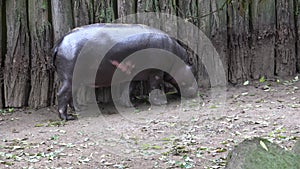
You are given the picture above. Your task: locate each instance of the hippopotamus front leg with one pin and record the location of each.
(64, 99)
(156, 95)
(124, 94)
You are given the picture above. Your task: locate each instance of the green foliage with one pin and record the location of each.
(44, 5)
(7, 111)
(262, 79)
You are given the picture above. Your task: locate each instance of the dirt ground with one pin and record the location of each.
(197, 133)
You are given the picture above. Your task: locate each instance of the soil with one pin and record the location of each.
(196, 133)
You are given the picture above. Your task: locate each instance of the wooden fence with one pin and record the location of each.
(253, 37)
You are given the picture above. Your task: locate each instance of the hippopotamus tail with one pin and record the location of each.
(54, 53)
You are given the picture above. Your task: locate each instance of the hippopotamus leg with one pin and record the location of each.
(156, 95)
(172, 81)
(64, 99)
(124, 94)
(71, 105)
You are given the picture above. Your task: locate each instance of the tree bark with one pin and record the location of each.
(82, 12)
(17, 61)
(62, 21)
(285, 53)
(2, 49)
(213, 22)
(62, 17)
(145, 6)
(297, 31)
(127, 7)
(218, 34)
(94, 11)
(202, 15)
(168, 6)
(263, 28)
(41, 43)
(238, 41)
(106, 11)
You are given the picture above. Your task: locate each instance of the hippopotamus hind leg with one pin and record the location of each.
(124, 99)
(64, 99)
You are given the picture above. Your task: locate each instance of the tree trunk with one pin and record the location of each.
(285, 53)
(238, 41)
(93, 11)
(263, 28)
(203, 16)
(145, 6)
(218, 34)
(168, 6)
(127, 7)
(41, 43)
(2, 49)
(62, 17)
(17, 61)
(297, 31)
(213, 22)
(82, 12)
(106, 11)
(62, 21)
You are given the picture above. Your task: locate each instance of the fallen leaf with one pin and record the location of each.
(38, 125)
(263, 145)
(246, 83)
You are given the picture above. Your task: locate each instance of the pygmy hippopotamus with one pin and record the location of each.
(113, 43)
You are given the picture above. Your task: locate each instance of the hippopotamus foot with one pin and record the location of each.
(63, 115)
(67, 117)
(157, 97)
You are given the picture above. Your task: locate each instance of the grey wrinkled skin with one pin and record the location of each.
(68, 48)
